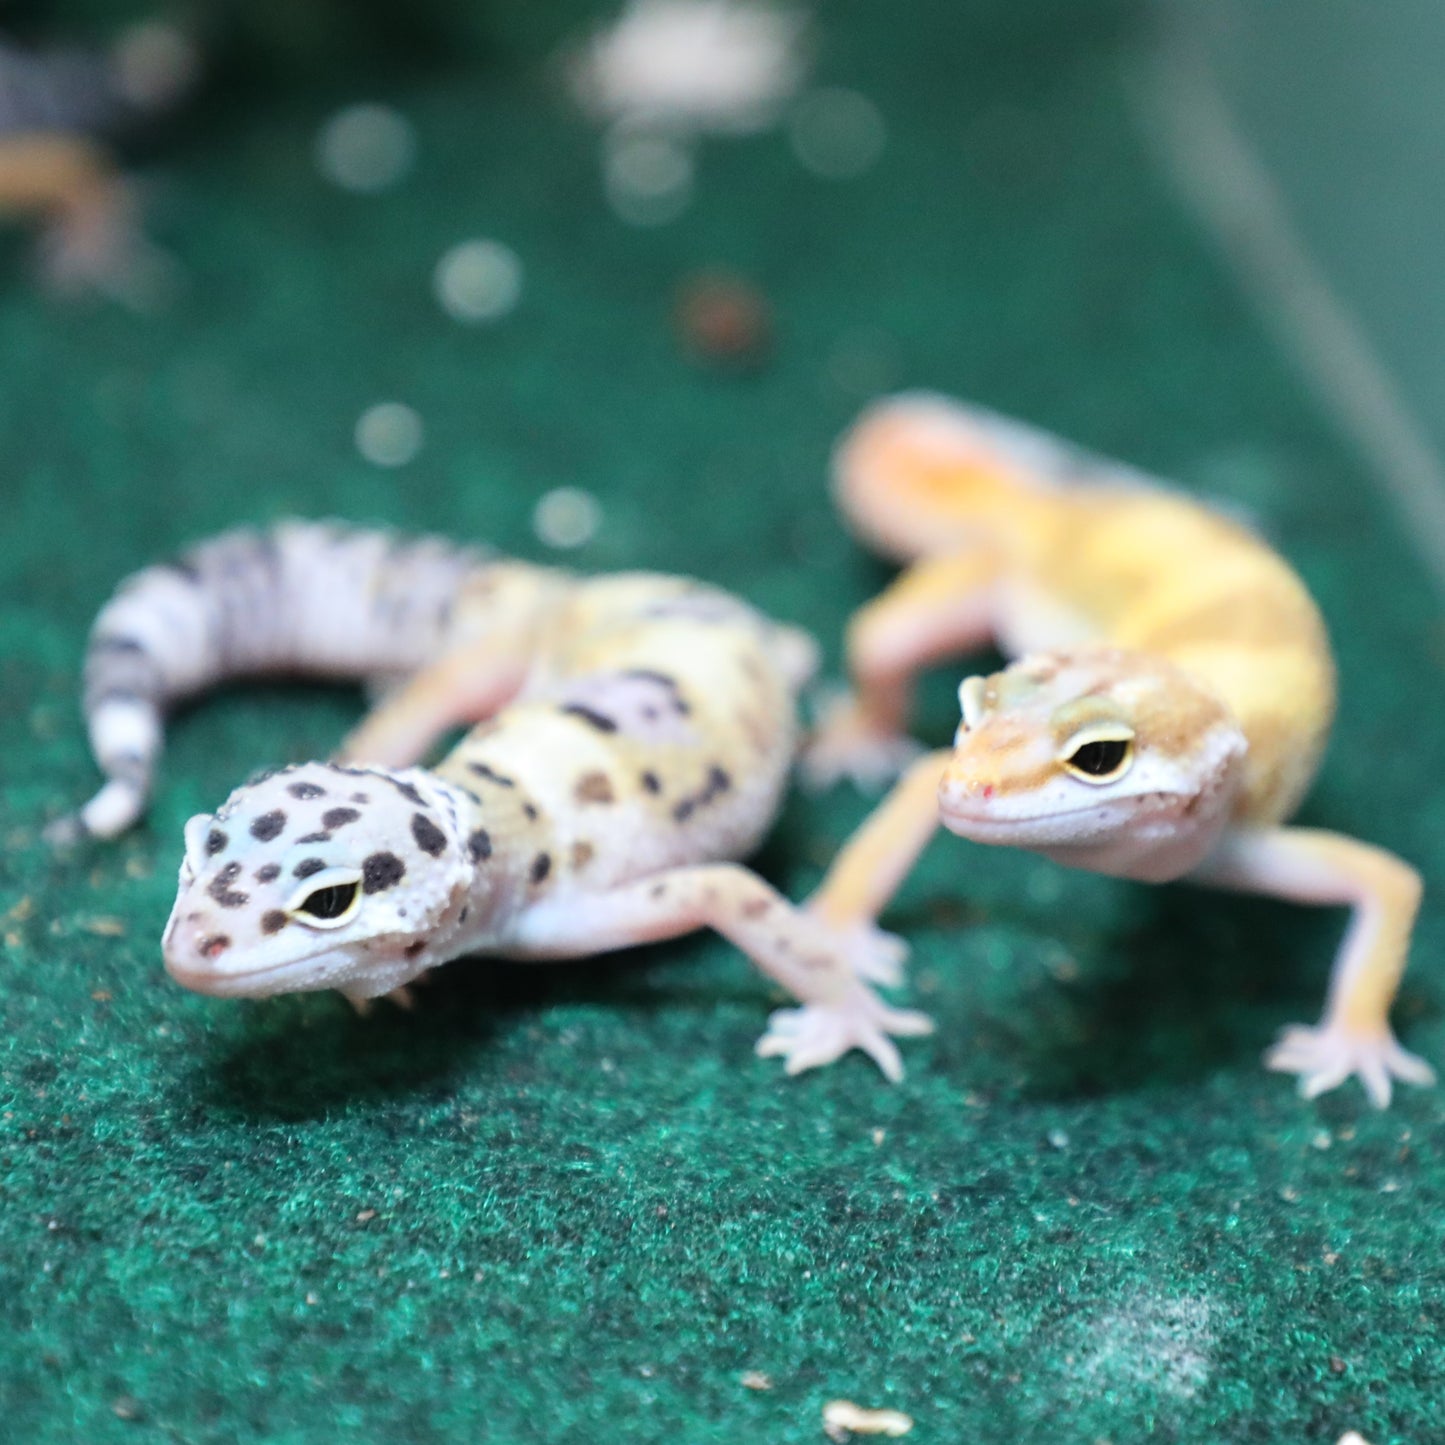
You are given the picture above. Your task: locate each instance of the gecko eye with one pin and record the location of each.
(330, 903)
(328, 900)
(1100, 758)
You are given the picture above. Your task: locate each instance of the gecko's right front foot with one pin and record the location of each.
(1324, 1057)
(819, 1033)
(847, 744)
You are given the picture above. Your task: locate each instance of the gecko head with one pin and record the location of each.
(1105, 759)
(316, 877)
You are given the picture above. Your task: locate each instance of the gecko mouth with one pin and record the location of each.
(984, 827)
(291, 975)
(222, 984)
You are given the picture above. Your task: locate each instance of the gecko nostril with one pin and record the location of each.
(215, 945)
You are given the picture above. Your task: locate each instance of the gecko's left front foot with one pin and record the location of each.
(818, 1033)
(847, 744)
(1326, 1055)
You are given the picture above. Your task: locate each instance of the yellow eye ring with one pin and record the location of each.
(328, 899)
(1099, 755)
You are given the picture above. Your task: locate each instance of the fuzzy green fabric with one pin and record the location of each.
(567, 1203)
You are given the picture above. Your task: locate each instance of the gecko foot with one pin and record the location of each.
(402, 996)
(818, 1033)
(1327, 1055)
(874, 955)
(846, 745)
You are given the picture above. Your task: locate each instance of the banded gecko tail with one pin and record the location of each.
(316, 598)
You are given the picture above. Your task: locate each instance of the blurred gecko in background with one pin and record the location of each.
(636, 736)
(61, 109)
(1172, 695)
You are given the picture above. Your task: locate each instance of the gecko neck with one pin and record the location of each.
(511, 847)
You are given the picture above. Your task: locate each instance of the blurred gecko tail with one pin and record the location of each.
(920, 473)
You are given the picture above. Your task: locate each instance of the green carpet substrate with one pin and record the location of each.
(567, 1203)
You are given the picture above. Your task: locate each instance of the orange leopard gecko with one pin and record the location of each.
(1166, 714)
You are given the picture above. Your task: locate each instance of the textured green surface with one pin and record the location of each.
(568, 1203)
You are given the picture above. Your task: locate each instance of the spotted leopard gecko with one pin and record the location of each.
(1166, 714)
(637, 735)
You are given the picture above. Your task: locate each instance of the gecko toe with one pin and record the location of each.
(1324, 1057)
(819, 1033)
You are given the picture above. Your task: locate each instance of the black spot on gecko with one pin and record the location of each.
(600, 721)
(315, 838)
(406, 790)
(116, 644)
(381, 871)
(221, 890)
(273, 921)
(429, 838)
(717, 782)
(483, 771)
(679, 703)
(338, 817)
(412, 949)
(306, 790)
(268, 873)
(541, 867)
(307, 866)
(268, 825)
(529, 812)
(649, 675)
(215, 841)
(479, 845)
(109, 695)
(462, 916)
(651, 783)
(183, 567)
(360, 798)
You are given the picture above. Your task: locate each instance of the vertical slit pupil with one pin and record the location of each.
(1098, 759)
(330, 902)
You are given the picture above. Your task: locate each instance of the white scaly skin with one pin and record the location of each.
(635, 739)
(1171, 700)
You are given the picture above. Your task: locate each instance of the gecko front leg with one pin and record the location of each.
(1354, 1035)
(823, 968)
(874, 862)
(939, 608)
(463, 687)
